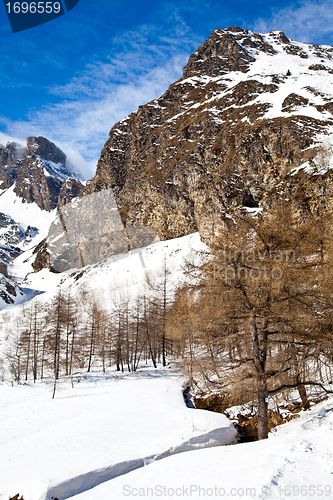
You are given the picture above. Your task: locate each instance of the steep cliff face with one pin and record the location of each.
(248, 111)
(39, 173)
(9, 155)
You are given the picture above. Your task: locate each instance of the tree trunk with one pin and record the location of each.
(119, 354)
(43, 359)
(67, 350)
(28, 354)
(262, 411)
(259, 357)
(302, 393)
(164, 319)
(91, 341)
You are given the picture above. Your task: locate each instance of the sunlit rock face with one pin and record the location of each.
(241, 125)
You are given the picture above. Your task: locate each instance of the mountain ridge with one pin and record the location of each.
(249, 109)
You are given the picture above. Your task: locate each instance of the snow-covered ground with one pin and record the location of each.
(106, 425)
(295, 462)
(117, 436)
(26, 214)
(130, 435)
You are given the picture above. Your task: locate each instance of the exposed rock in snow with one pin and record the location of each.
(10, 292)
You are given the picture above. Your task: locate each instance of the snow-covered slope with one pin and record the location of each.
(296, 69)
(105, 425)
(85, 443)
(22, 227)
(25, 215)
(122, 274)
(117, 278)
(295, 462)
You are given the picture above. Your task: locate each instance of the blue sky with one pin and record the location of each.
(73, 78)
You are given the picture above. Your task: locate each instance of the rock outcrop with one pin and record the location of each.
(249, 114)
(10, 292)
(9, 155)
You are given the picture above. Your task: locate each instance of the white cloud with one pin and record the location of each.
(82, 125)
(103, 94)
(4, 138)
(310, 21)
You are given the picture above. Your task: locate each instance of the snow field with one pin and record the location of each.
(104, 421)
(295, 462)
(87, 442)
(26, 214)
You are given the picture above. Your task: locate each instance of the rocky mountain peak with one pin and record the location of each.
(220, 54)
(249, 110)
(47, 154)
(39, 173)
(10, 153)
(232, 49)
(45, 149)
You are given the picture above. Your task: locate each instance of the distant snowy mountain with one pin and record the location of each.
(39, 174)
(10, 292)
(34, 181)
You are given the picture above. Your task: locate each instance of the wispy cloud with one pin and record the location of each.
(5, 138)
(308, 21)
(105, 92)
(82, 124)
(132, 68)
